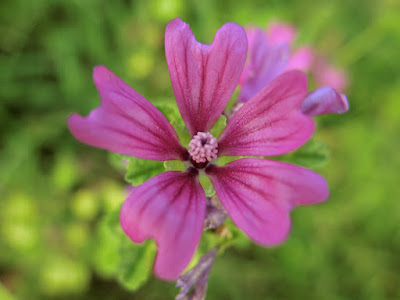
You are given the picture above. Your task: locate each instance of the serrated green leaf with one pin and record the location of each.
(118, 161)
(136, 262)
(106, 246)
(169, 109)
(219, 126)
(313, 154)
(139, 170)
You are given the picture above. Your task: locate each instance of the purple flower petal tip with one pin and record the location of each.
(324, 100)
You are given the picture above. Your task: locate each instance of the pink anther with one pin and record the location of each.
(203, 147)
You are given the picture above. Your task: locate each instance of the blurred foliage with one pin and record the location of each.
(59, 199)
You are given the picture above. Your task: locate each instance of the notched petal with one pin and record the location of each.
(169, 208)
(204, 77)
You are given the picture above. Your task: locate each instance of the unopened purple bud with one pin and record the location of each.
(196, 278)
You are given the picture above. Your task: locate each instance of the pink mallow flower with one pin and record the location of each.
(258, 194)
(270, 55)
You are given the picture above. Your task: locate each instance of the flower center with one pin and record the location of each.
(203, 149)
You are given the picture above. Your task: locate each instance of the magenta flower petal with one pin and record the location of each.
(270, 123)
(126, 123)
(265, 63)
(324, 100)
(169, 208)
(204, 77)
(258, 195)
(279, 33)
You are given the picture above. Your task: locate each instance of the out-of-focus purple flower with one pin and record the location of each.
(270, 55)
(196, 278)
(258, 194)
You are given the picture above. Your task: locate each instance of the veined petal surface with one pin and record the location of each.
(271, 123)
(258, 195)
(169, 208)
(126, 122)
(204, 77)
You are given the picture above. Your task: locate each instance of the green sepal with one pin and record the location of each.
(223, 160)
(139, 170)
(218, 127)
(237, 237)
(207, 185)
(174, 165)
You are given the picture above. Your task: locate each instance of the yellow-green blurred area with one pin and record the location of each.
(55, 192)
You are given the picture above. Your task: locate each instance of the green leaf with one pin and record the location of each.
(169, 109)
(182, 132)
(106, 245)
(118, 161)
(139, 170)
(219, 126)
(313, 154)
(116, 255)
(223, 160)
(136, 263)
(4, 294)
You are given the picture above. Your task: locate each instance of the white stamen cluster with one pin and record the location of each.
(203, 147)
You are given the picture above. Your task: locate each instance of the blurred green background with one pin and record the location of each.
(56, 194)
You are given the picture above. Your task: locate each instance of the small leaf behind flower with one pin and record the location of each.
(219, 126)
(313, 154)
(115, 255)
(139, 170)
(136, 263)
